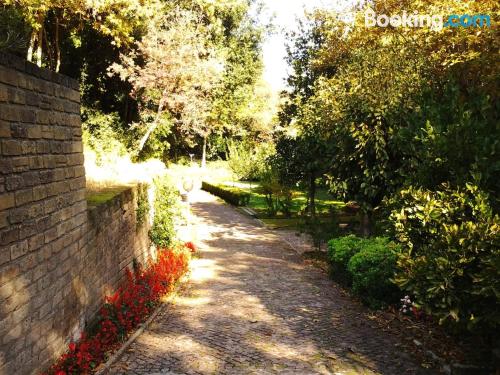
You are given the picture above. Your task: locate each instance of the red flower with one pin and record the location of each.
(125, 309)
(191, 246)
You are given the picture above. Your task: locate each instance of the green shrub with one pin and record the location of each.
(372, 270)
(340, 251)
(450, 260)
(166, 212)
(234, 196)
(366, 264)
(247, 160)
(100, 133)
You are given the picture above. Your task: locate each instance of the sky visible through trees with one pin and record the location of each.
(284, 14)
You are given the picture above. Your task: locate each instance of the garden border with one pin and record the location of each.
(106, 367)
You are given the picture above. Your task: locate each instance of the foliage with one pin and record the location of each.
(300, 160)
(302, 154)
(243, 105)
(278, 197)
(322, 228)
(101, 135)
(450, 260)
(367, 265)
(247, 160)
(122, 312)
(185, 70)
(326, 202)
(372, 270)
(340, 252)
(174, 75)
(142, 209)
(13, 30)
(398, 106)
(412, 110)
(194, 63)
(51, 20)
(166, 211)
(235, 196)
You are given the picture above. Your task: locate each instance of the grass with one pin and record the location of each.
(282, 223)
(98, 197)
(118, 171)
(324, 200)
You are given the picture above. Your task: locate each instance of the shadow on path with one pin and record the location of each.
(253, 307)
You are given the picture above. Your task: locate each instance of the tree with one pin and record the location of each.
(172, 72)
(301, 159)
(243, 105)
(401, 106)
(47, 18)
(13, 30)
(301, 150)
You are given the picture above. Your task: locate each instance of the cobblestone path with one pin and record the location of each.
(253, 307)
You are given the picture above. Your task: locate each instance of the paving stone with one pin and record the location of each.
(252, 306)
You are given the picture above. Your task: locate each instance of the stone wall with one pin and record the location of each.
(114, 240)
(57, 256)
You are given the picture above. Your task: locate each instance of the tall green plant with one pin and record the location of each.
(167, 211)
(451, 259)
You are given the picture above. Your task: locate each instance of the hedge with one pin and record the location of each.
(233, 196)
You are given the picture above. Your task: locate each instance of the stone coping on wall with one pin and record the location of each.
(21, 65)
(101, 201)
(104, 196)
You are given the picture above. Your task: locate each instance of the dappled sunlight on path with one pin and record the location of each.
(253, 307)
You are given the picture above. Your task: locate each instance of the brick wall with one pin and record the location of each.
(57, 257)
(114, 239)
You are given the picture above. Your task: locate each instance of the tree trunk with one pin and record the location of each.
(145, 137)
(31, 47)
(366, 224)
(312, 195)
(153, 125)
(56, 46)
(50, 57)
(36, 39)
(204, 153)
(39, 47)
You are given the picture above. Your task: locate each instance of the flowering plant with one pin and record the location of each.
(191, 246)
(125, 310)
(408, 307)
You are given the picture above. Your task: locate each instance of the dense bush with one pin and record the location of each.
(322, 228)
(450, 260)
(142, 209)
(372, 270)
(340, 251)
(366, 264)
(234, 196)
(166, 211)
